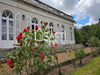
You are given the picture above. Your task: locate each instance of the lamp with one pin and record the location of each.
(23, 16)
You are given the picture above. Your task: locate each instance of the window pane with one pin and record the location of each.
(50, 30)
(63, 37)
(10, 36)
(11, 23)
(4, 22)
(32, 26)
(10, 30)
(4, 36)
(7, 13)
(4, 29)
(3, 15)
(10, 16)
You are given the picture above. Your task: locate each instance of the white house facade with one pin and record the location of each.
(15, 15)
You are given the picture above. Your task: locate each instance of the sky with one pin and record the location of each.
(85, 12)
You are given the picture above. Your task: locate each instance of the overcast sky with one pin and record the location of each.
(84, 11)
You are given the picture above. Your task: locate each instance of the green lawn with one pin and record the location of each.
(92, 68)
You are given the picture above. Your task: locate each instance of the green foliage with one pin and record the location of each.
(79, 54)
(93, 42)
(78, 37)
(88, 31)
(92, 68)
(30, 53)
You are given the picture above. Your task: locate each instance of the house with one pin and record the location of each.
(15, 15)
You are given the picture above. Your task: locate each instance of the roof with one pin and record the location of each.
(48, 8)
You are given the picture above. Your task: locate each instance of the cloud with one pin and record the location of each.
(80, 8)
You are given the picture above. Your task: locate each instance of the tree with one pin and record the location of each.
(78, 37)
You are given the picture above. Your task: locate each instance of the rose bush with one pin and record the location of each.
(79, 54)
(31, 55)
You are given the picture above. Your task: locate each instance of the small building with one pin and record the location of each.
(15, 15)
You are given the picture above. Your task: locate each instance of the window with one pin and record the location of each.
(51, 27)
(63, 36)
(7, 25)
(57, 25)
(34, 23)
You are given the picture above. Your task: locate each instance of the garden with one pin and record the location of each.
(32, 55)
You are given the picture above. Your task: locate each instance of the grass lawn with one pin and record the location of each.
(93, 68)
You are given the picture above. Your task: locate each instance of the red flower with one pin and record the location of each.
(42, 56)
(56, 56)
(33, 31)
(20, 44)
(24, 30)
(38, 72)
(35, 47)
(56, 44)
(21, 37)
(14, 47)
(46, 23)
(52, 46)
(55, 51)
(11, 66)
(0, 62)
(18, 37)
(30, 42)
(8, 62)
(36, 27)
(75, 50)
(1, 70)
(33, 50)
(21, 58)
(43, 26)
(53, 32)
(20, 33)
(28, 28)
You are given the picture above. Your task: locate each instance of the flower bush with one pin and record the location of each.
(79, 54)
(94, 43)
(32, 55)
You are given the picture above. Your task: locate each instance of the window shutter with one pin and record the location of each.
(17, 24)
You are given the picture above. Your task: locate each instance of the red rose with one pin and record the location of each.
(35, 47)
(53, 32)
(33, 31)
(18, 37)
(75, 50)
(1, 70)
(42, 56)
(46, 23)
(36, 27)
(20, 33)
(28, 28)
(38, 72)
(56, 44)
(56, 56)
(20, 44)
(21, 58)
(43, 26)
(52, 46)
(11, 66)
(8, 62)
(21, 37)
(14, 47)
(33, 50)
(24, 30)
(55, 51)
